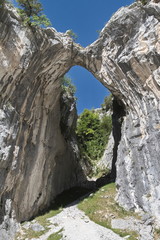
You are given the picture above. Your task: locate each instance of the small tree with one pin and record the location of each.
(2, 3)
(67, 85)
(72, 34)
(31, 12)
(144, 2)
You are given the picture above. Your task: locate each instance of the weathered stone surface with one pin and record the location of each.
(107, 158)
(126, 59)
(37, 159)
(133, 224)
(37, 227)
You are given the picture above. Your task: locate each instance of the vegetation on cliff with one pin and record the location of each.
(67, 85)
(31, 12)
(93, 133)
(93, 130)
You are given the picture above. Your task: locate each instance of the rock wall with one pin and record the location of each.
(37, 159)
(126, 59)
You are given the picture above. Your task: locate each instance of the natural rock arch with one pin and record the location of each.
(34, 152)
(126, 59)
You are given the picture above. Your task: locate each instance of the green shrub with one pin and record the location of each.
(144, 2)
(67, 85)
(3, 2)
(31, 12)
(93, 133)
(107, 104)
(55, 236)
(72, 34)
(106, 124)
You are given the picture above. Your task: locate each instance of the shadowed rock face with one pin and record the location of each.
(38, 158)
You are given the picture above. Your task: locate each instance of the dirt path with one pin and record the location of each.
(76, 226)
(72, 224)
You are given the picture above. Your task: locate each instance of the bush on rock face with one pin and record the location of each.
(107, 104)
(67, 85)
(93, 133)
(31, 12)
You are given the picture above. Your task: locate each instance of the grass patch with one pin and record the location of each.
(156, 234)
(42, 220)
(55, 236)
(101, 207)
(29, 234)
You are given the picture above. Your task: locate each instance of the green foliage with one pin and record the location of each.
(31, 12)
(67, 85)
(43, 219)
(106, 123)
(107, 104)
(55, 236)
(3, 2)
(156, 234)
(144, 2)
(88, 122)
(29, 234)
(72, 34)
(93, 134)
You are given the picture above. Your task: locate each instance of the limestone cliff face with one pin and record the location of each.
(37, 160)
(126, 59)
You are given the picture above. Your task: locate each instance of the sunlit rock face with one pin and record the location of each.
(126, 59)
(38, 155)
(37, 161)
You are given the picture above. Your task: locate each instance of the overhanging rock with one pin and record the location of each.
(36, 160)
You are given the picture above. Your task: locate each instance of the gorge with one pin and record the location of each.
(39, 159)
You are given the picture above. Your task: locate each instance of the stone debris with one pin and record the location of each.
(37, 227)
(133, 224)
(76, 225)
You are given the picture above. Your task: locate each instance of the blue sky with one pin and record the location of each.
(85, 18)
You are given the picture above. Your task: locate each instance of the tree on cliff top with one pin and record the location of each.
(32, 13)
(2, 3)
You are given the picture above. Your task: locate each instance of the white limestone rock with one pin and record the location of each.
(39, 159)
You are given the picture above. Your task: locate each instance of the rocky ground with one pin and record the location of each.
(75, 225)
(71, 223)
